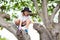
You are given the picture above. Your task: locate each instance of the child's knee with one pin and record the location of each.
(17, 22)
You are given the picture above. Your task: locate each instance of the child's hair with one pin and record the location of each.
(23, 13)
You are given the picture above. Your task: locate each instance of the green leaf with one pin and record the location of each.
(11, 0)
(2, 38)
(57, 2)
(1, 28)
(50, 0)
(3, 7)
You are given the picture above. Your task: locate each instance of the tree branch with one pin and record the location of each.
(4, 15)
(36, 6)
(54, 12)
(42, 31)
(37, 9)
(45, 14)
(8, 26)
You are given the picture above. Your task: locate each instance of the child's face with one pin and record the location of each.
(26, 13)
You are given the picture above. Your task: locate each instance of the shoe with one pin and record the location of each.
(26, 30)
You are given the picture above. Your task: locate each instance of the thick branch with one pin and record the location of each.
(54, 12)
(44, 11)
(36, 6)
(45, 34)
(8, 26)
(4, 15)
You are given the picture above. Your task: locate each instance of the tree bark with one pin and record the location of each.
(45, 14)
(44, 33)
(54, 12)
(59, 18)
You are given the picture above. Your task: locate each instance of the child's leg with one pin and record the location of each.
(27, 23)
(18, 23)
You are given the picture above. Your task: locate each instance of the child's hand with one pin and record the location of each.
(20, 28)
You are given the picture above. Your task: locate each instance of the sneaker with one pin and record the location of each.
(26, 30)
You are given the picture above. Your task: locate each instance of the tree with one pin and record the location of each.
(48, 31)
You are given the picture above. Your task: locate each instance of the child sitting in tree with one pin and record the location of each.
(24, 19)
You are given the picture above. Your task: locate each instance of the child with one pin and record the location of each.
(24, 19)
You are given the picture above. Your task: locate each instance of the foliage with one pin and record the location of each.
(2, 38)
(1, 28)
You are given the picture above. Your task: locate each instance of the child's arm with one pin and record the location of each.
(20, 25)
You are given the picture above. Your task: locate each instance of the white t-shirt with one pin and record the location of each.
(24, 18)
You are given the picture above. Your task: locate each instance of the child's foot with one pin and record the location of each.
(26, 30)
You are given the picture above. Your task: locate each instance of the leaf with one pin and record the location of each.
(39, 20)
(2, 38)
(8, 7)
(11, 0)
(1, 28)
(50, 0)
(3, 7)
(57, 2)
